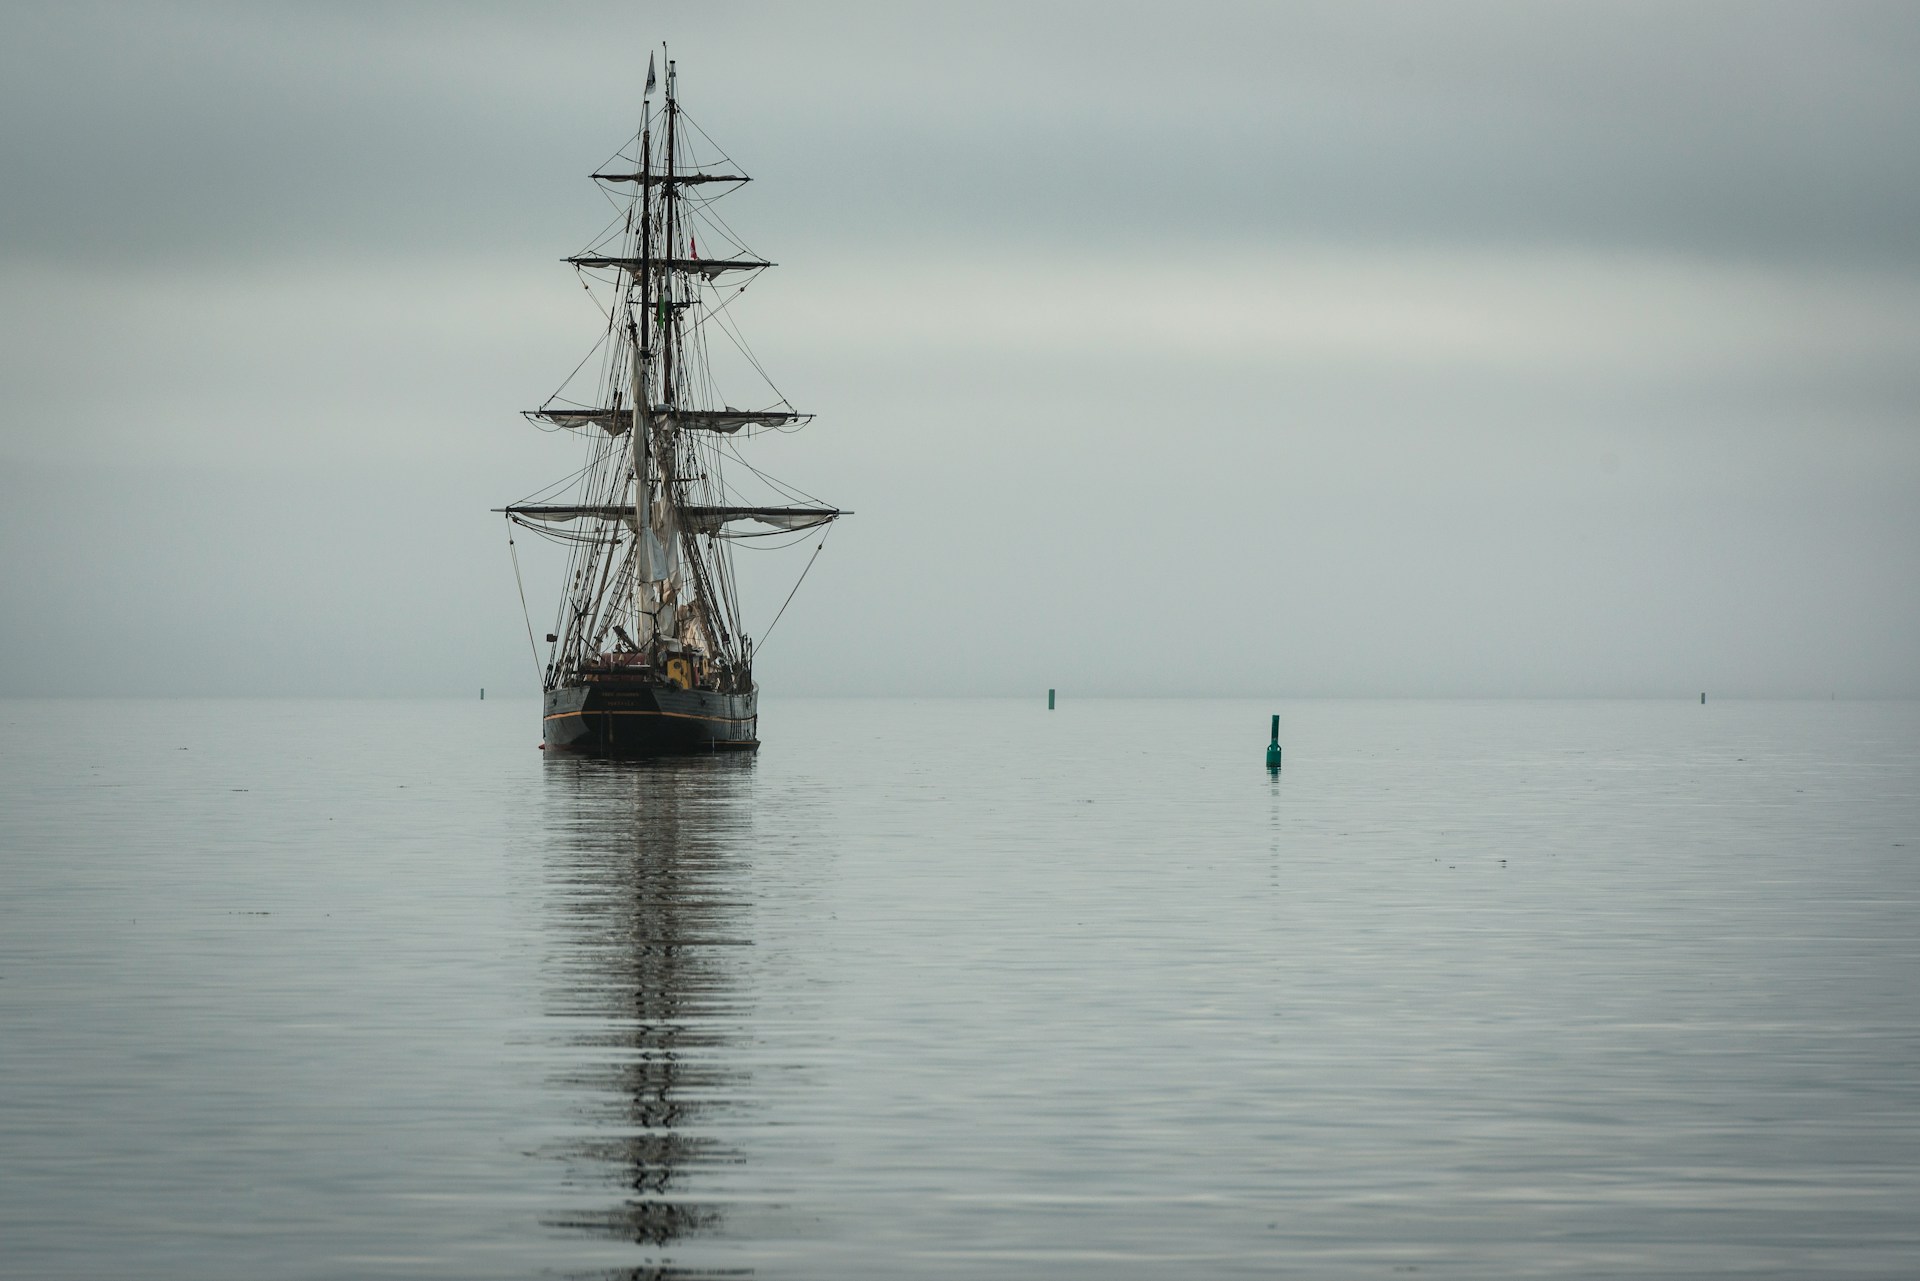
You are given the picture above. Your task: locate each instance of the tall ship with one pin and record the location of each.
(647, 655)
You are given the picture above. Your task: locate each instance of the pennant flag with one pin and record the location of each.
(648, 91)
(693, 250)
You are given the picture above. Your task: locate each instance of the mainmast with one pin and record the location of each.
(655, 563)
(642, 429)
(670, 204)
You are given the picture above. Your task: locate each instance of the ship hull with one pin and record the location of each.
(605, 719)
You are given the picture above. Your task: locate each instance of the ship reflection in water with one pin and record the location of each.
(648, 894)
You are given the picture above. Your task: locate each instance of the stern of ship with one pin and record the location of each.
(637, 719)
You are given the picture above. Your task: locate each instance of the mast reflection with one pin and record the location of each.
(648, 899)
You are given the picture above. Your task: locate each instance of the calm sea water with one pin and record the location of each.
(962, 989)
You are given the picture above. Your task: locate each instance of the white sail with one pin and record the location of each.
(656, 558)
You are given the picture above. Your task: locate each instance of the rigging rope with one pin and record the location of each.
(525, 613)
(762, 642)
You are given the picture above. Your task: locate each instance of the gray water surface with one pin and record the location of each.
(962, 989)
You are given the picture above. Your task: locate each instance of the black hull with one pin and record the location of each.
(621, 719)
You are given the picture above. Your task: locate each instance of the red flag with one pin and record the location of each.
(693, 250)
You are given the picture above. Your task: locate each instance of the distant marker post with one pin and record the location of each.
(1273, 746)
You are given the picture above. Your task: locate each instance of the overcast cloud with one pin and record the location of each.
(1350, 348)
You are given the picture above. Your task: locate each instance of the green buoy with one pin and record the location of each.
(1273, 748)
(1049, 700)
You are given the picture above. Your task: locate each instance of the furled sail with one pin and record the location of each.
(560, 514)
(708, 267)
(677, 180)
(698, 519)
(708, 520)
(725, 421)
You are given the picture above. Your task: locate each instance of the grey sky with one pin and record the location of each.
(1343, 348)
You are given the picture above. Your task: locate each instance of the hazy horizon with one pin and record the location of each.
(1357, 350)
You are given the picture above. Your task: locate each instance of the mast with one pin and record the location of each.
(672, 199)
(670, 383)
(668, 326)
(642, 429)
